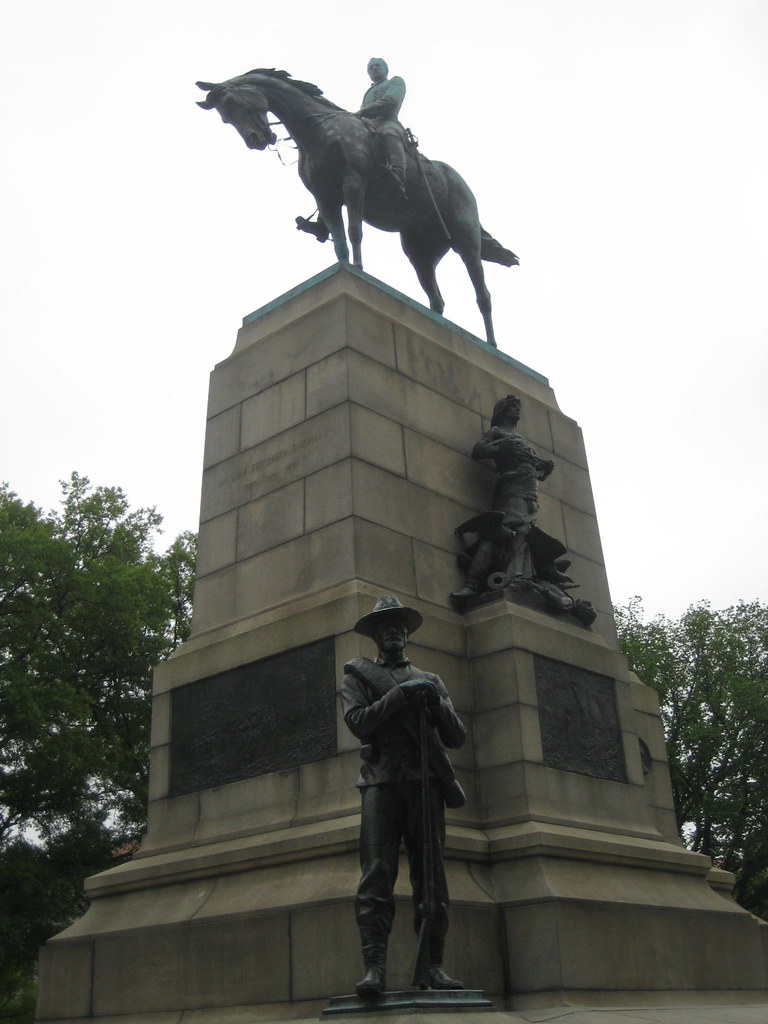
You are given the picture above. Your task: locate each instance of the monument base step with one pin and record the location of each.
(415, 1000)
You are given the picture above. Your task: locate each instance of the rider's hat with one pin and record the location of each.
(388, 606)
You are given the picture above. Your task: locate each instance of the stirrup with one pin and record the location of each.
(320, 231)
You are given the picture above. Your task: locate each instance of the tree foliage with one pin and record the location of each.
(710, 669)
(87, 609)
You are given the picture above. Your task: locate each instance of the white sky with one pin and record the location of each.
(619, 147)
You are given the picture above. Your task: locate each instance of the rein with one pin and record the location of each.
(275, 146)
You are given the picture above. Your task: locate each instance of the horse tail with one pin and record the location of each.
(494, 252)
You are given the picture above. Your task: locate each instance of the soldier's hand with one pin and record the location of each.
(420, 688)
(433, 697)
(412, 687)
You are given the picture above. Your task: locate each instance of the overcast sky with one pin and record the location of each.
(619, 147)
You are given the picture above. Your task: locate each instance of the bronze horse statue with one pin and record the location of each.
(340, 164)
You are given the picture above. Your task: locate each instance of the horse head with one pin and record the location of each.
(241, 103)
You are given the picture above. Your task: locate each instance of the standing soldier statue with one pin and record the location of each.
(403, 716)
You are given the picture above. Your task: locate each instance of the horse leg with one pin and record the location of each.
(475, 270)
(424, 257)
(353, 200)
(332, 216)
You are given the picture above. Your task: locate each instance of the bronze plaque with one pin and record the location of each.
(263, 717)
(578, 719)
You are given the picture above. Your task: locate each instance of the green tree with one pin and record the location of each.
(710, 669)
(87, 608)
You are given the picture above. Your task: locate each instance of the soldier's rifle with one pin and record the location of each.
(421, 964)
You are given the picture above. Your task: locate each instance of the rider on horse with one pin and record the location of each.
(381, 105)
(341, 168)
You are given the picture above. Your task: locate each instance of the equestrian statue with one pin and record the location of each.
(369, 163)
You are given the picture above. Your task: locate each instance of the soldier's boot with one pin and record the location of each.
(471, 588)
(317, 228)
(439, 979)
(375, 958)
(395, 161)
(398, 176)
(437, 976)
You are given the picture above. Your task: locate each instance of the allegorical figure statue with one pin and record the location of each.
(381, 105)
(404, 718)
(511, 552)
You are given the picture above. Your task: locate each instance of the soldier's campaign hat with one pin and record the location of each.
(387, 605)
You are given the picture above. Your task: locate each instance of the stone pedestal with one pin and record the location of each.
(336, 469)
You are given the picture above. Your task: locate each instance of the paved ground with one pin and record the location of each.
(647, 1015)
(694, 1014)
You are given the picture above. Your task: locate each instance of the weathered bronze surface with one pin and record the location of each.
(507, 551)
(579, 725)
(366, 162)
(380, 107)
(403, 716)
(263, 717)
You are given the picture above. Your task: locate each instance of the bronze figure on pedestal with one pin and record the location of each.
(362, 162)
(509, 552)
(403, 716)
